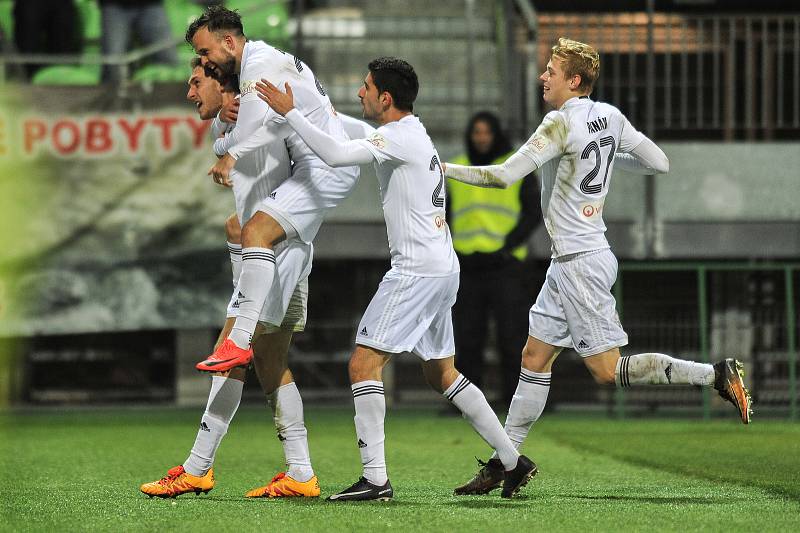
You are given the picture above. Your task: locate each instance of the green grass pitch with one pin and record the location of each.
(81, 471)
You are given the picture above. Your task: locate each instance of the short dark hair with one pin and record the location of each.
(216, 18)
(396, 77)
(229, 83)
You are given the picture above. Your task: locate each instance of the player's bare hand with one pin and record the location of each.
(221, 172)
(230, 112)
(281, 102)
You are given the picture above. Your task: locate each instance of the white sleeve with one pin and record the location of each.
(253, 113)
(645, 158)
(334, 152)
(629, 137)
(501, 176)
(546, 143)
(355, 129)
(218, 127)
(261, 137)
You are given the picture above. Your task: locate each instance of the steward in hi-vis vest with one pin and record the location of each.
(490, 230)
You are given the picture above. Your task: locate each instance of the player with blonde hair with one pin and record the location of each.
(575, 149)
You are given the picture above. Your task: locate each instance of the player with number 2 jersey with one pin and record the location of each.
(410, 311)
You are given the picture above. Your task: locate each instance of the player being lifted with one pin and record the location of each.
(295, 209)
(255, 176)
(411, 309)
(575, 149)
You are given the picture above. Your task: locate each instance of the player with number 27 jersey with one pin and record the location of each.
(574, 149)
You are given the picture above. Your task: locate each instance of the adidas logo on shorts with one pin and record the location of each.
(582, 345)
(364, 332)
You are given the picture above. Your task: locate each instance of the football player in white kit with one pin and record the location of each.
(410, 312)
(295, 209)
(575, 149)
(255, 175)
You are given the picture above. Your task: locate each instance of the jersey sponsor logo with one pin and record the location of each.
(598, 124)
(591, 210)
(377, 140)
(247, 87)
(539, 142)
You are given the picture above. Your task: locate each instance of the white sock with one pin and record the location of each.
(258, 271)
(287, 411)
(223, 400)
(235, 251)
(370, 407)
(660, 369)
(527, 404)
(473, 405)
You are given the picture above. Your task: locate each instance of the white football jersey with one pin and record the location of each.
(574, 149)
(256, 174)
(413, 196)
(260, 60)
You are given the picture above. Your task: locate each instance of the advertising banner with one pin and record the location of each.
(109, 221)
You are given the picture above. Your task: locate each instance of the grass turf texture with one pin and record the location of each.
(81, 472)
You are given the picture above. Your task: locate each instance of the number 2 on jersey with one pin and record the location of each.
(593, 147)
(438, 193)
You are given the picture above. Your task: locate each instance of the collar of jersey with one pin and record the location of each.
(575, 100)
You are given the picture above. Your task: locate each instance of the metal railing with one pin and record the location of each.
(707, 76)
(756, 323)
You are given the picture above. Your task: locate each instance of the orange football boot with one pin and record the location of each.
(177, 482)
(225, 357)
(283, 486)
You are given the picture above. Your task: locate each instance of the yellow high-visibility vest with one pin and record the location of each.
(480, 218)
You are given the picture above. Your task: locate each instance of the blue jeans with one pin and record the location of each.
(151, 26)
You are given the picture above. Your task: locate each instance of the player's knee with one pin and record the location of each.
(440, 380)
(262, 230)
(233, 230)
(533, 361)
(603, 376)
(359, 369)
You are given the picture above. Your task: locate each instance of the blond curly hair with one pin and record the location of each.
(580, 59)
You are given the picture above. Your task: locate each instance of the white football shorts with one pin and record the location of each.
(411, 314)
(300, 203)
(287, 304)
(575, 308)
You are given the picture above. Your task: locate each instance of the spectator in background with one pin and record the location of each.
(46, 27)
(490, 229)
(147, 18)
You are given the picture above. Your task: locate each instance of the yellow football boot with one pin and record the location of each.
(283, 486)
(177, 482)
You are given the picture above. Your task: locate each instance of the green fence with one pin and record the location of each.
(751, 305)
